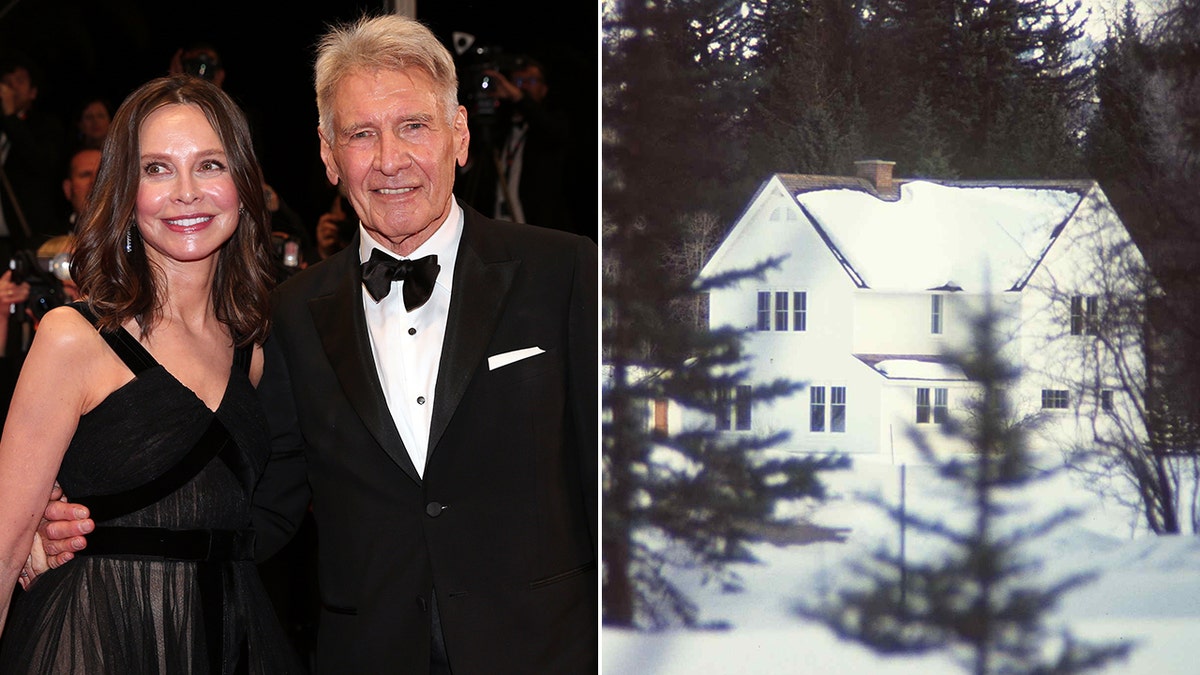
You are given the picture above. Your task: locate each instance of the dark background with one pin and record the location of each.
(112, 46)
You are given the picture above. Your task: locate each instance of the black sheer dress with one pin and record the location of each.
(169, 584)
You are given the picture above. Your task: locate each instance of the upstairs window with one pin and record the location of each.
(784, 214)
(936, 314)
(1085, 314)
(1106, 400)
(799, 310)
(782, 311)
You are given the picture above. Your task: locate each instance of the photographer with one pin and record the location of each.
(518, 162)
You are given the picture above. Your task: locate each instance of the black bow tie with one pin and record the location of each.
(382, 269)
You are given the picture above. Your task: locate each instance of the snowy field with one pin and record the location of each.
(1146, 592)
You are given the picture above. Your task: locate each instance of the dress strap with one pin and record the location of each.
(125, 345)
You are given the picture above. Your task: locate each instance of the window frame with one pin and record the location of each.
(828, 409)
(781, 311)
(735, 408)
(933, 405)
(1107, 400)
(799, 311)
(764, 311)
(816, 409)
(1056, 399)
(1084, 315)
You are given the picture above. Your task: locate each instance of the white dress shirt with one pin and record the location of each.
(408, 345)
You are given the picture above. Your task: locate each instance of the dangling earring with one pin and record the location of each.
(129, 240)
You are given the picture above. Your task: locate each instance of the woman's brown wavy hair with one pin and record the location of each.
(120, 285)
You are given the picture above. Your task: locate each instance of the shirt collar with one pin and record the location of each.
(443, 243)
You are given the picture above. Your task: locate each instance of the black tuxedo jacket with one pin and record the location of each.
(503, 525)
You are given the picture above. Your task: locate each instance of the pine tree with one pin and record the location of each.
(978, 597)
(1007, 88)
(922, 145)
(804, 116)
(692, 492)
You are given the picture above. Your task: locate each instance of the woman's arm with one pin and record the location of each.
(58, 382)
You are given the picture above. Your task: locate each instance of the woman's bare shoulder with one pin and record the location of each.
(65, 327)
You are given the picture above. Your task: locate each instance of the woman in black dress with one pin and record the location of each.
(140, 400)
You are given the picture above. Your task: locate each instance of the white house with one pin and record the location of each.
(879, 280)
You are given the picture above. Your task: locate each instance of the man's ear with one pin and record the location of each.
(327, 159)
(463, 132)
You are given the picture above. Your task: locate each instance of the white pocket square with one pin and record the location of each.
(501, 360)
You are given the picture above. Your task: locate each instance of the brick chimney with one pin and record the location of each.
(878, 172)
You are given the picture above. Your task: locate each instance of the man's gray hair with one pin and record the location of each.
(383, 42)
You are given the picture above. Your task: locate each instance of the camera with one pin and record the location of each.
(475, 85)
(45, 277)
(201, 65)
(286, 253)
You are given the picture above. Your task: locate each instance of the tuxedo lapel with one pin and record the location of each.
(342, 325)
(483, 276)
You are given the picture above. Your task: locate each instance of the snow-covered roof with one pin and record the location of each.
(913, 367)
(977, 237)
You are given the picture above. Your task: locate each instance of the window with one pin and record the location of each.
(1106, 400)
(831, 410)
(941, 405)
(775, 314)
(1084, 314)
(933, 409)
(784, 213)
(799, 311)
(781, 310)
(837, 409)
(733, 408)
(935, 314)
(741, 408)
(1055, 399)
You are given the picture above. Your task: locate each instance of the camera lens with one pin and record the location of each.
(201, 66)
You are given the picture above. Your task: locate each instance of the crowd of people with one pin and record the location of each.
(415, 373)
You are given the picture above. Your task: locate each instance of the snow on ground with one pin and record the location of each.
(1146, 591)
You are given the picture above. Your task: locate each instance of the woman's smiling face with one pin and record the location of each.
(187, 202)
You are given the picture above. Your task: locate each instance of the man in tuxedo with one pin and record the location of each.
(437, 405)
